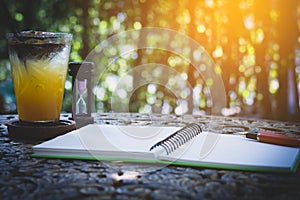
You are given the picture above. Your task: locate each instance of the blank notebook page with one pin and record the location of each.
(236, 150)
(110, 138)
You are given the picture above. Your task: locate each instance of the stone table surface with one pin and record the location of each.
(25, 177)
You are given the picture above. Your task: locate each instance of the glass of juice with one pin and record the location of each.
(39, 62)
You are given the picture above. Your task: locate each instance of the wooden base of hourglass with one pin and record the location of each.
(83, 120)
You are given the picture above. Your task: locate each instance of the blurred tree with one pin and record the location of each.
(288, 33)
(264, 29)
(234, 31)
(85, 22)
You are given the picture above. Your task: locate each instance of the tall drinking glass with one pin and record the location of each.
(39, 62)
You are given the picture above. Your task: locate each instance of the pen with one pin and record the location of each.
(274, 138)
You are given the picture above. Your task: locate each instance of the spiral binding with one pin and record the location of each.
(178, 138)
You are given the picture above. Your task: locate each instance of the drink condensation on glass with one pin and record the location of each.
(39, 62)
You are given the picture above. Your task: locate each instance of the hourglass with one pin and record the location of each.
(82, 74)
(80, 104)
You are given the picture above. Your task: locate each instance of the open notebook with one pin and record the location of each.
(169, 145)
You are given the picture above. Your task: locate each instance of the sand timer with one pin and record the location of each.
(81, 107)
(82, 74)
